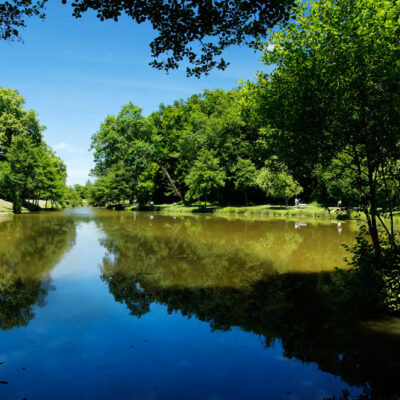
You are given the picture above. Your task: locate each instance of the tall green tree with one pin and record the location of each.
(29, 169)
(32, 172)
(276, 181)
(336, 89)
(245, 175)
(15, 120)
(18, 172)
(205, 177)
(122, 147)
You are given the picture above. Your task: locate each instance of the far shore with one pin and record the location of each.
(309, 211)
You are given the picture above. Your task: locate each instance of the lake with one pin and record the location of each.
(116, 305)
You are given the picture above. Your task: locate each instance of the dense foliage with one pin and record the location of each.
(29, 169)
(333, 99)
(201, 149)
(334, 95)
(325, 123)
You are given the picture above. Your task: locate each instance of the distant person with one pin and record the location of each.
(339, 204)
(296, 201)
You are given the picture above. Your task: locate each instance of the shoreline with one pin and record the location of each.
(262, 210)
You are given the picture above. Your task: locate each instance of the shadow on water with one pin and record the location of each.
(290, 308)
(181, 267)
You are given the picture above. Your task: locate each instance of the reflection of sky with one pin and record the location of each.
(79, 347)
(80, 261)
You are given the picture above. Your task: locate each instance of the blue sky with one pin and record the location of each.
(74, 72)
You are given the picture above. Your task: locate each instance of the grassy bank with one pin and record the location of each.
(266, 210)
(6, 207)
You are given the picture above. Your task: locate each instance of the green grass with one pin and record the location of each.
(6, 207)
(266, 210)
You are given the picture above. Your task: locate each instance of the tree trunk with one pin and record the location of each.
(246, 197)
(374, 229)
(374, 213)
(170, 180)
(17, 203)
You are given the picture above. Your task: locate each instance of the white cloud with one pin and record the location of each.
(66, 147)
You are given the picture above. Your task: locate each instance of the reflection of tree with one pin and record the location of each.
(18, 296)
(290, 308)
(30, 247)
(179, 266)
(128, 291)
(215, 252)
(173, 261)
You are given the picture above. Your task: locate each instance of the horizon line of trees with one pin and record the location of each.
(199, 149)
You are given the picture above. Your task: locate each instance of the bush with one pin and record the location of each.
(374, 280)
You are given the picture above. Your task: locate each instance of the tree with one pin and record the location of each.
(73, 197)
(205, 177)
(15, 120)
(336, 90)
(113, 187)
(80, 190)
(210, 120)
(50, 176)
(122, 152)
(197, 31)
(245, 172)
(276, 181)
(30, 170)
(19, 171)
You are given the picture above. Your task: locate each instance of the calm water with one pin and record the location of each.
(108, 305)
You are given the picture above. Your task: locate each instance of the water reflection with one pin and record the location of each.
(29, 249)
(265, 277)
(199, 252)
(211, 270)
(290, 308)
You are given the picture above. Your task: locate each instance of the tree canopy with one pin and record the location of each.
(29, 168)
(334, 94)
(195, 31)
(13, 14)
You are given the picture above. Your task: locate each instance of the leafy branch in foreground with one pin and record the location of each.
(195, 31)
